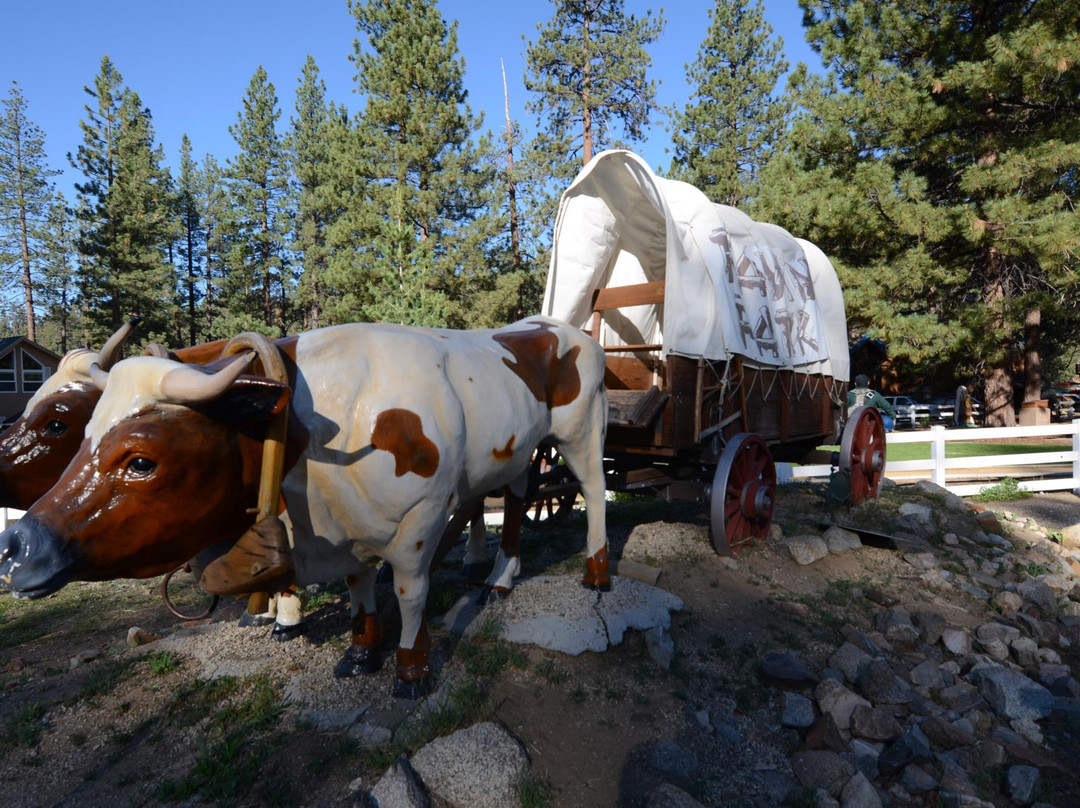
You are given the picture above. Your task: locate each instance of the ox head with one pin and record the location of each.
(36, 449)
(169, 466)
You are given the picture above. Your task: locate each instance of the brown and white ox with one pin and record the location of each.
(392, 429)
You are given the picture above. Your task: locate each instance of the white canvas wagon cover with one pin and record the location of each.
(732, 285)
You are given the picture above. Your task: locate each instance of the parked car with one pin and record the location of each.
(911, 413)
(944, 408)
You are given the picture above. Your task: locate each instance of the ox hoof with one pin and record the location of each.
(357, 660)
(285, 633)
(254, 620)
(411, 690)
(493, 594)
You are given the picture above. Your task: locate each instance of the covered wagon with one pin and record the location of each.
(726, 342)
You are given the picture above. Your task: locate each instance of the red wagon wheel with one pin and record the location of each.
(862, 453)
(552, 490)
(743, 493)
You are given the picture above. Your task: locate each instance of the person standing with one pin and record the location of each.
(861, 395)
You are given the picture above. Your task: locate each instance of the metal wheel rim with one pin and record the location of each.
(862, 453)
(173, 609)
(743, 493)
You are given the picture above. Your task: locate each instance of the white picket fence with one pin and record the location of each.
(1045, 471)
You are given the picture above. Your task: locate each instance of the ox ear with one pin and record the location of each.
(248, 405)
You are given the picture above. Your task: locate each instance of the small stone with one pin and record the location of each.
(824, 734)
(881, 685)
(1048, 655)
(1041, 596)
(930, 625)
(796, 711)
(786, 670)
(996, 631)
(921, 513)
(1008, 601)
(840, 541)
(83, 658)
(927, 674)
(1022, 784)
(911, 747)
(961, 697)
(1025, 650)
(917, 781)
(957, 641)
(806, 550)
(837, 701)
(668, 795)
(874, 723)
(821, 769)
(897, 627)
(859, 793)
(995, 648)
(401, 785)
(671, 759)
(850, 659)
(945, 735)
(1013, 695)
(881, 598)
(137, 636)
(1027, 728)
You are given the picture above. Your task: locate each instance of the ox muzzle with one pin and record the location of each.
(33, 560)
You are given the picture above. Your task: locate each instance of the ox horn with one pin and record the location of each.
(110, 351)
(186, 385)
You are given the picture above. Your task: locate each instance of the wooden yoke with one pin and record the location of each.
(262, 558)
(273, 463)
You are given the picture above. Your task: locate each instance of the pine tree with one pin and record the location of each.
(214, 215)
(191, 239)
(58, 273)
(125, 210)
(588, 70)
(724, 134)
(938, 164)
(258, 186)
(310, 146)
(25, 194)
(425, 183)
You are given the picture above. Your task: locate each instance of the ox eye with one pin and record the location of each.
(141, 466)
(54, 428)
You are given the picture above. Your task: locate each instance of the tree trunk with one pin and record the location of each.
(586, 114)
(515, 251)
(1032, 360)
(999, 404)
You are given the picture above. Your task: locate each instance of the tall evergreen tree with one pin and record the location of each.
(311, 149)
(214, 215)
(58, 276)
(125, 210)
(258, 186)
(191, 239)
(938, 164)
(588, 70)
(724, 134)
(25, 194)
(426, 183)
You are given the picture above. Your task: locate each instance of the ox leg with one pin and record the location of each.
(475, 549)
(362, 655)
(413, 672)
(261, 610)
(586, 460)
(508, 559)
(289, 623)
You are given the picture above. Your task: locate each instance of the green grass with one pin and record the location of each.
(921, 451)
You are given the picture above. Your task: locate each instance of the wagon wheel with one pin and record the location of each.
(862, 453)
(743, 493)
(189, 595)
(552, 488)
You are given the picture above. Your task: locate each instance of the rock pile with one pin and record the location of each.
(917, 710)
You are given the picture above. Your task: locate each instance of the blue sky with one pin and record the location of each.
(191, 61)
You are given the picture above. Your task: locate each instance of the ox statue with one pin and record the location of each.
(391, 430)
